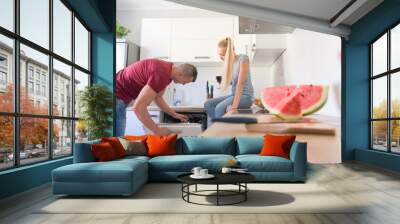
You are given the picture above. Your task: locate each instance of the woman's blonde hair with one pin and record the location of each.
(228, 61)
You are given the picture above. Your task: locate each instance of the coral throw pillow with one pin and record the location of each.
(161, 145)
(136, 137)
(277, 145)
(103, 152)
(116, 145)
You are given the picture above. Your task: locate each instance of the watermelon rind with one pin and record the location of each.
(317, 106)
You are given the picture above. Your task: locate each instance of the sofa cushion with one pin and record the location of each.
(111, 171)
(257, 163)
(206, 145)
(83, 153)
(277, 145)
(135, 147)
(185, 163)
(249, 145)
(103, 152)
(161, 145)
(116, 145)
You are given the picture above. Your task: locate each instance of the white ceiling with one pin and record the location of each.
(321, 9)
(315, 15)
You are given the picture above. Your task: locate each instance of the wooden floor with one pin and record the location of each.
(378, 188)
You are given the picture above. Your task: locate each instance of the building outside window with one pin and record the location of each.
(44, 91)
(30, 72)
(30, 87)
(59, 133)
(3, 71)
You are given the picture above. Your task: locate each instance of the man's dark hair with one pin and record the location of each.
(189, 70)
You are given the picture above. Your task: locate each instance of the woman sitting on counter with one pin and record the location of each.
(237, 73)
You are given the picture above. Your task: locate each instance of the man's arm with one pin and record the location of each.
(159, 100)
(146, 95)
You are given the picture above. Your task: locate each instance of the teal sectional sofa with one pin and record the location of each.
(125, 176)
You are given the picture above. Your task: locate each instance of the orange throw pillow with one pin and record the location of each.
(161, 145)
(136, 137)
(103, 152)
(277, 145)
(116, 145)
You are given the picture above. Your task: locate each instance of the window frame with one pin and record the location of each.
(388, 74)
(16, 114)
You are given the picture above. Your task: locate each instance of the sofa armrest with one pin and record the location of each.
(298, 155)
(83, 152)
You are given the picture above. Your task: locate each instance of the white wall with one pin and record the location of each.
(194, 94)
(312, 58)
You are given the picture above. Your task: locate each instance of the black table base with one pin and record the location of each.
(220, 193)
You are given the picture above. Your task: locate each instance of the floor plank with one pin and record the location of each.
(377, 189)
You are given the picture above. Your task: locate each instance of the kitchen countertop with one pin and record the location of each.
(194, 109)
(321, 148)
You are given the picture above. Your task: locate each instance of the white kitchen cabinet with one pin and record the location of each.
(156, 38)
(184, 39)
(202, 28)
(193, 50)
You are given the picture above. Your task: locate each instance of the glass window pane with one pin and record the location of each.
(395, 136)
(81, 131)
(6, 142)
(81, 45)
(379, 135)
(379, 98)
(6, 74)
(34, 66)
(62, 138)
(35, 21)
(33, 140)
(379, 55)
(395, 47)
(7, 14)
(62, 89)
(62, 29)
(395, 94)
(81, 81)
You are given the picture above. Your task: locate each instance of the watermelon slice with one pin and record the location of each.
(311, 98)
(289, 108)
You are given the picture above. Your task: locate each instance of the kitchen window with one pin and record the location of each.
(385, 97)
(44, 45)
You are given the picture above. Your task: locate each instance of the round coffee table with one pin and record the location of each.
(238, 179)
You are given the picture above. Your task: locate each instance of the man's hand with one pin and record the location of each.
(163, 131)
(181, 117)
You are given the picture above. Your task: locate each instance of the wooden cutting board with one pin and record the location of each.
(307, 125)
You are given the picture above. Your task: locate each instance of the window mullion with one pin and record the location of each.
(16, 84)
(50, 81)
(73, 82)
(389, 101)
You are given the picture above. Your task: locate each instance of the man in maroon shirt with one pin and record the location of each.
(145, 81)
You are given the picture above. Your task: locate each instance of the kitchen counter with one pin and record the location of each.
(321, 147)
(179, 109)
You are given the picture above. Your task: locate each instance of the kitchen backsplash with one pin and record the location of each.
(195, 94)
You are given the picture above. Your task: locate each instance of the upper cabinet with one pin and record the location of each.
(184, 39)
(202, 28)
(156, 39)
